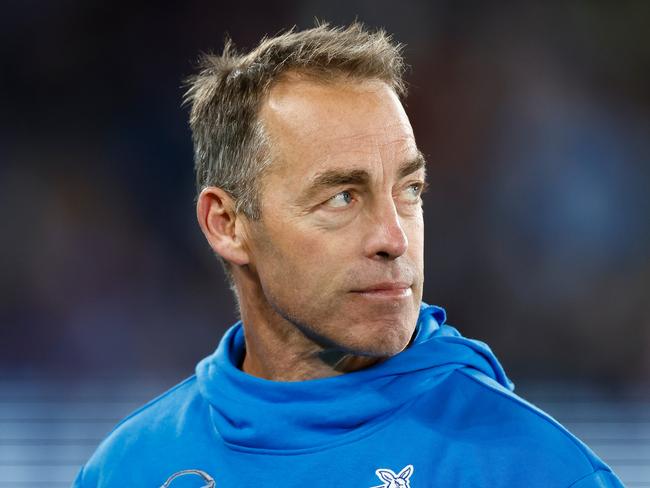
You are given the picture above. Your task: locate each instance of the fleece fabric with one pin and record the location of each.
(442, 413)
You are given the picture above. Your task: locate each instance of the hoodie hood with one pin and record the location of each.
(255, 414)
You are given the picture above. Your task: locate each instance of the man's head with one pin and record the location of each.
(230, 145)
(310, 184)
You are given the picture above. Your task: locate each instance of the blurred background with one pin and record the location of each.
(534, 117)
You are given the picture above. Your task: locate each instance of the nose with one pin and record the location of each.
(385, 239)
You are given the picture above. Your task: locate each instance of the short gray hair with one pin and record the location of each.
(230, 147)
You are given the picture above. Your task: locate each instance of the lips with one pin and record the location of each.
(386, 289)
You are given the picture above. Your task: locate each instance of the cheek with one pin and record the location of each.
(321, 265)
(414, 230)
(300, 275)
(294, 258)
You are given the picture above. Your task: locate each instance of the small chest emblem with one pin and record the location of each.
(392, 480)
(197, 472)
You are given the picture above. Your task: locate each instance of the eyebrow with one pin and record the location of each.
(337, 177)
(409, 167)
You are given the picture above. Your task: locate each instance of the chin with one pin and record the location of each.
(386, 340)
(383, 333)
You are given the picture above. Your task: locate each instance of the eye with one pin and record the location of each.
(414, 191)
(340, 200)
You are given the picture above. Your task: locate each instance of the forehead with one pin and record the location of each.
(312, 125)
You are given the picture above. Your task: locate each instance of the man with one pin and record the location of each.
(310, 186)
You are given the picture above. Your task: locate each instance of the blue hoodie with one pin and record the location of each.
(439, 414)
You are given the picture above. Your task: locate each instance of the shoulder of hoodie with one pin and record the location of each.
(154, 424)
(552, 440)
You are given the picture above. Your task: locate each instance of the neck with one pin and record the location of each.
(278, 350)
(289, 366)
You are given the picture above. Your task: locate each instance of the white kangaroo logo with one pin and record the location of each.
(392, 480)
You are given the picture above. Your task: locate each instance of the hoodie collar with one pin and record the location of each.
(251, 413)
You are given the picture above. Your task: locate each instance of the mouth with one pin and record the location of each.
(388, 289)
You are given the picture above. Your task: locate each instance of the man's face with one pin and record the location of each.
(339, 248)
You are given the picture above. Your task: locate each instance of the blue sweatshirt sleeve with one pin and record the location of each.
(598, 479)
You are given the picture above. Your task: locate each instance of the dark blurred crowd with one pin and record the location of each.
(534, 118)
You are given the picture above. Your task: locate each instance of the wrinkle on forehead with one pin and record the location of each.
(360, 148)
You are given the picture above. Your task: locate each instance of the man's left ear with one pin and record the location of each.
(215, 211)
